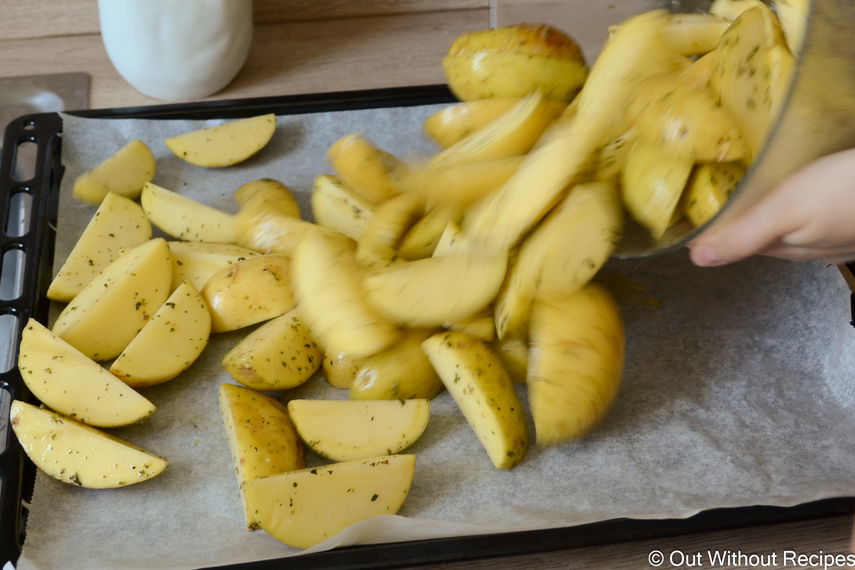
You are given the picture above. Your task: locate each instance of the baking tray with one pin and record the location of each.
(32, 204)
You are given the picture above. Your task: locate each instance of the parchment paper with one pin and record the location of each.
(738, 390)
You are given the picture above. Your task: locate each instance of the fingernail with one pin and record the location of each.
(705, 256)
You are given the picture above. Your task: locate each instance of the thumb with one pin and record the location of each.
(753, 232)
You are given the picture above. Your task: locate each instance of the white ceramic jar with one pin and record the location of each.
(176, 49)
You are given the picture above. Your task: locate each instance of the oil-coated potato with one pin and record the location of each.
(196, 261)
(261, 438)
(302, 508)
(226, 144)
(249, 291)
(336, 207)
(184, 218)
(400, 372)
(372, 173)
(78, 454)
(118, 224)
(278, 355)
(268, 193)
(107, 314)
(123, 173)
(66, 380)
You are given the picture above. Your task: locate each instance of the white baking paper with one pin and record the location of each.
(738, 390)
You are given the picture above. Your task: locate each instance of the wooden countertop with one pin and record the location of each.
(305, 47)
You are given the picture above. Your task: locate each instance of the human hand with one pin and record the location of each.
(811, 215)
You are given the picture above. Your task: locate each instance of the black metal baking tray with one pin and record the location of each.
(36, 243)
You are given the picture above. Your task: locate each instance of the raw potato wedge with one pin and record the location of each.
(379, 243)
(118, 224)
(484, 393)
(184, 218)
(513, 61)
(455, 122)
(653, 180)
(513, 352)
(124, 173)
(226, 144)
(512, 134)
(303, 508)
(793, 15)
(269, 193)
(266, 230)
(278, 355)
(421, 239)
(575, 364)
(341, 369)
(168, 343)
(335, 207)
(328, 284)
(249, 291)
(71, 383)
(430, 292)
(78, 454)
(107, 314)
(459, 185)
(261, 437)
(347, 430)
(196, 261)
(400, 372)
(372, 173)
(709, 188)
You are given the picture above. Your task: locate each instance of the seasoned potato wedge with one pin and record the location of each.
(107, 314)
(268, 193)
(168, 343)
(346, 430)
(455, 122)
(328, 283)
(124, 173)
(196, 261)
(372, 173)
(575, 363)
(78, 454)
(461, 184)
(249, 291)
(400, 372)
(341, 369)
(226, 144)
(709, 188)
(483, 391)
(261, 437)
(303, 508)
(421, 238)
(378, 245)
(118, 224)
(71, 383)
(184, 218)
(336, 207)
(278, 355)
(429, 292)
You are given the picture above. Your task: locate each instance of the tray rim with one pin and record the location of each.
(449, 549)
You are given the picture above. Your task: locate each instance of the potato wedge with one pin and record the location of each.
(483, 391)
(249, 291)
(328, 284)
(123, 173)
(400, 372)
(341, 369)
(429, 292)
(336, 207)
(78, 454)
(513, 352)
(303, 508)
(378, 245)
(271, 193)
(513, 61)
(347, 430)
(71, 383)
(118, 224)
(461, 184)
(575, 364)
(107, 314)
(261, 437)
(169, 342)
(184, 218)
(652, 182)
(512, 134)
(224, 145)
(278, 355)
(421, 238)
(709, 187)
(455, 122)
(196, 261)
(372, 173)
(793, 15)
(268, 231)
